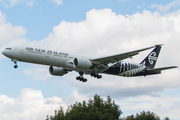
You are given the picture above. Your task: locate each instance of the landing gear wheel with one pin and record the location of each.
(15, 66)
(77, 78)
(99, 76)
(92, 74)
(96, 75)
(81, 79)
(85, 80)
(15, 62)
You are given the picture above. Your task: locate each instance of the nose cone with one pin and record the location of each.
(3, 52)
(7, 53)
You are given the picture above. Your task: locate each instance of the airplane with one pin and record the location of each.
(62, 62)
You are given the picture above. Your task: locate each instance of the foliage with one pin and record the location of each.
(96, 109)
(144, 116)
(166, 118)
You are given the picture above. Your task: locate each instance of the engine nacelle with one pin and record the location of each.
(58, 71)
(82, 63)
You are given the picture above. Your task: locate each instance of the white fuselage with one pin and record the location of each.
(61, 62)
(42, 56)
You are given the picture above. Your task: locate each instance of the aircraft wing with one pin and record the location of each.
(119, 57)
(159, 69)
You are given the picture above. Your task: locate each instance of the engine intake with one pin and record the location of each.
(82, 63)
(58, 71)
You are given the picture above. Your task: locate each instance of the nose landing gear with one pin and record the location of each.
(15, 62)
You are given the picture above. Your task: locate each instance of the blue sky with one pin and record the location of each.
(50, 15)
(92, 28)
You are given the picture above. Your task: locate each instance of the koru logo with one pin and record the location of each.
(152, 57)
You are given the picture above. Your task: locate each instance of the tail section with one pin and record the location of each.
(150, 60)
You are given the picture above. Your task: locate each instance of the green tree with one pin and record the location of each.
(94, 109)
(144, 116)
(59, 115)
(166, 118)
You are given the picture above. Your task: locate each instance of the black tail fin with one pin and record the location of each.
(150, 60)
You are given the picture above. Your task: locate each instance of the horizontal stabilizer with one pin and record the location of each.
(163, 68)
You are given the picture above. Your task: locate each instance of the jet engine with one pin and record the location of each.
(58, 71)
(82, 63)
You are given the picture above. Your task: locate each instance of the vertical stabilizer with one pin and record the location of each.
(150, 60)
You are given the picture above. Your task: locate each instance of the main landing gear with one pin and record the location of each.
(81, 78)
(96, 75)
(15, 62)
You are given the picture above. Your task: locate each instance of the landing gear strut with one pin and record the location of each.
(15, 62)
(81, 78)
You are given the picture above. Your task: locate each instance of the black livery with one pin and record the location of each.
(146, 67)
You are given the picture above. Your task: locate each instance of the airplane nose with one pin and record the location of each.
(3, 52)
(6, 53)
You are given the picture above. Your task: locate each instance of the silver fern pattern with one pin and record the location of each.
(128, 70)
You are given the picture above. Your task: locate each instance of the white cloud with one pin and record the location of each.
(30, 3)
(105, 33)
(174, 13)
(11, 3)
(123, 0)
(58, 2)
(29, 105)
(9, 34)
(140, 6)
(167, 7)
(75, 96)
(2, 18)
(165, 105)
(43, 72)
(14, 2)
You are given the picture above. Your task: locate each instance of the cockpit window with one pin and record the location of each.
(8, 48)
